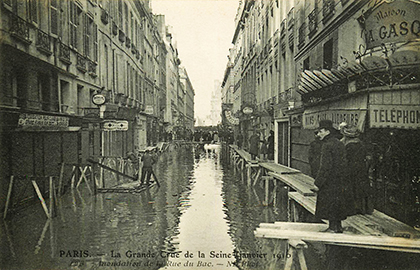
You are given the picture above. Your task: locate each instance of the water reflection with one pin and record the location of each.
(202, 214)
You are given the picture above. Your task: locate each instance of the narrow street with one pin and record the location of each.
(201, 216)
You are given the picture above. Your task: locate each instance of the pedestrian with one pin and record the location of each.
(148, 160)
(270, 145)
(239, 140)
(330, 179)
(254, 143)
(263, 149)
(314, 154)
(134, 159)
(357, 171)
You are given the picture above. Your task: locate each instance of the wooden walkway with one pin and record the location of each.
(378, 226)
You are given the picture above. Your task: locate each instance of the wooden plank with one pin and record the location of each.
(44, 205)
(9, 194)
(411, 245)
(392, 226)
(295, 183)
(277, 168)
(111, 169)
(309, 203)
(297, 226)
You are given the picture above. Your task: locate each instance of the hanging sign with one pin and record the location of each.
(396, 21)
(394, 116)
(98, 99)
(247, 110)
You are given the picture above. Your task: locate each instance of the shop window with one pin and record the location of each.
(328, 54)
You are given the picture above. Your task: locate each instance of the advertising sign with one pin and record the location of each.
(396, 21)
(49, 122)
(352, 117)
(98, 99)
(394, 116)
(149, 109)
(120, 125)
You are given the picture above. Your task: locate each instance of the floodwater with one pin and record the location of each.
(202, 216)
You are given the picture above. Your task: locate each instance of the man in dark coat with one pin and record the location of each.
(254, 145)
(147, 170)
(357, 173)
(330, 179)
(270, 145)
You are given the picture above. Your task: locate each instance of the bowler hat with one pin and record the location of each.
(326, 124)
(350, 131)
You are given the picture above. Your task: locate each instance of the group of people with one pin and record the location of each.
(338, 164)
(259, 146)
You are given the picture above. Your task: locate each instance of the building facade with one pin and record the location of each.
(79, 79)
(347, 61)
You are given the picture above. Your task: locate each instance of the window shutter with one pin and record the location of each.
(73, 24)
(86, 38)
(33, 10)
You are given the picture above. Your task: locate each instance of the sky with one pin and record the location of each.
(203, 30)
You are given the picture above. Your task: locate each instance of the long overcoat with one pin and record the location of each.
(331, 181)
(357, 177)
(254, 143)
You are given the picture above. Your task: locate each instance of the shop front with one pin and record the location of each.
(393, 138)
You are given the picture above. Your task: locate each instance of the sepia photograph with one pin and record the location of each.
(210, 134)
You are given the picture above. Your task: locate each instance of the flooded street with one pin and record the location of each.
(201, 216)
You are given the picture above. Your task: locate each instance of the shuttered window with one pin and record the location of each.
(95, 41)
(86, 36)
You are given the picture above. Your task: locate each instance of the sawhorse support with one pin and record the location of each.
(296, 248)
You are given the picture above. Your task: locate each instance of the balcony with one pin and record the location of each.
(104, 16)
(114, 29)
(64, 53)
(81, 63)
(302, 35)
(291, 18)
(20, 29)
(283, 29)
(313, 22)
(121, 36)
(291, 40)
(43, 42)
(92, 69)
(327, 10)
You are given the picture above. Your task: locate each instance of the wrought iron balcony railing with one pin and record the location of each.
(81, 62)
(92, 68)
(313, 22)
(327, 10)
(291, 18)
(64, 53)
(43, 42)
(19, 28)
(302, 35)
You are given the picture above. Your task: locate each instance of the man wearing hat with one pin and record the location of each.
(330, 178)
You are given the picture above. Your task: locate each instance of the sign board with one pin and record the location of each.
(394, 116)
(120, 125)
(98, 99)
(392, 21)
(149, 109)
(49, 122)
(352, 117)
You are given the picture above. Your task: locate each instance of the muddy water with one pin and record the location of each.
(201, 216)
